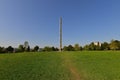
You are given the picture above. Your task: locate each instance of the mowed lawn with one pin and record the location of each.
(84, 65)
(32, 66)
(97, 65)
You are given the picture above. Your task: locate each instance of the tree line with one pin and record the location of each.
(26, 48)
(113, 45)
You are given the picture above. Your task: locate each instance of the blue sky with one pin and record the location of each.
(37, 21)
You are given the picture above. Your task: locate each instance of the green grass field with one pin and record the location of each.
(85, 65)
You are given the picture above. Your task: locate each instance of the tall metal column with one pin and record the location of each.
(60, 49)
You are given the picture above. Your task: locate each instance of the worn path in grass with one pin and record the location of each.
(69, 64)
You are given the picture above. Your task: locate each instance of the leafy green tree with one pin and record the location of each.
(105, 46)
(10, 49)
(115, 45)
(36, 48)
(70, 48)
(76, 47)
(47, 48)
(21, 48)
(86, 47)
(28, 49)
(54, 49)
(92, 46)
(81, 48)
(65, 48)
(26, 46)
(2, 50)
(97, 47)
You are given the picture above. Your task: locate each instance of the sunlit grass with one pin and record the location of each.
(91, 65)
(97, 65)
(32, 66)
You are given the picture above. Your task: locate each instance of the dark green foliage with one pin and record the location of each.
(77, 47)
(65, 48)
(36, 48)
(2, 50)
(54, 49)
(26, 46)
(21, 48)
(86, 47)
(10, 49)
(105, 46)
(115, 45)
(68, 48)
(27, 49)
(47, 48)
(81, 48)
(92, 46)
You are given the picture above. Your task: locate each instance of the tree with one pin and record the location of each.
(21, 48)
(26, 46)
(10, 49)
(36, 48)
(81, 48)
(28, 49)
(105, 46)
(56, 49)
(115, 45)
(92, 46)
(70, 48)
(76, 47)
(2, 50)
(97, 47)
(47, 48)
(86, 47)
(65, 48)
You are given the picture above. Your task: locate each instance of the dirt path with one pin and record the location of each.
(69, 64)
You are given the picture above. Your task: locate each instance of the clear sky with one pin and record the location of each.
(37, 21)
